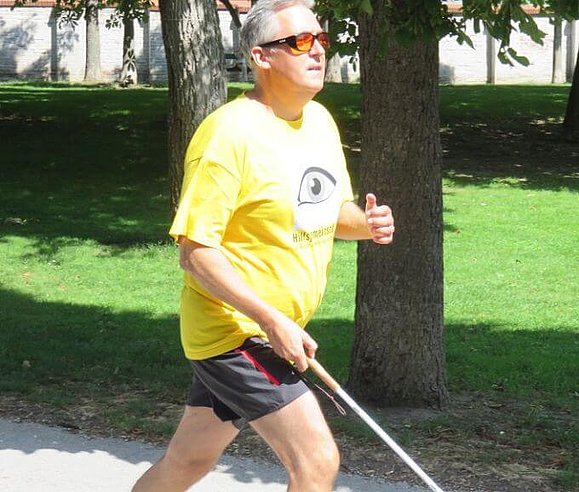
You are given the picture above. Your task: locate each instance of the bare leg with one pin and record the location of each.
(299, 435)
(192, 453)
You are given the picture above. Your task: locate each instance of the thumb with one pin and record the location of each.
(310, 345)
(370, 201)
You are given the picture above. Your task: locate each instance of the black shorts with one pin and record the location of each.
(245, 383)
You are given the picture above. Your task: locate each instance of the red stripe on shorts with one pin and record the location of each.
(270, 377)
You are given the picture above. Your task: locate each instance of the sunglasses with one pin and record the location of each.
(302, 42)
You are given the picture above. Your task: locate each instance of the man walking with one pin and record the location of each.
(264, 194)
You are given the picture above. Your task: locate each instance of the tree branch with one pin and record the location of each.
(233, 12)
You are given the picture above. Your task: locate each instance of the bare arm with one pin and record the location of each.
(375, 223)
(215, 273)
(352, 223)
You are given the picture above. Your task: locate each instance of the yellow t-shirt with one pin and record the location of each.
(266, 192)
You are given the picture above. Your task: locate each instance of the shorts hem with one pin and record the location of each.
(279, 406)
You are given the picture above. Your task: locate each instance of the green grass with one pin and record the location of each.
(492, 103)
(90, 282)
(512, 296)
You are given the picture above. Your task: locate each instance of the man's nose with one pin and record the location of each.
(317, 48)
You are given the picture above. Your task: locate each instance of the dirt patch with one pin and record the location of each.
(472, 446)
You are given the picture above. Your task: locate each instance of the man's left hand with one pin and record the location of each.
(380, 221)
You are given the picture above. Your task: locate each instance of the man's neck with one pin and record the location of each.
(285, 106)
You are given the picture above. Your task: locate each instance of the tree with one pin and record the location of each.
(571, 122)
(333, 59)
(399, 290)
(125, 14)
(129, 74)
(92, 68)
(398, 355)
(69, 12)
(196, 73)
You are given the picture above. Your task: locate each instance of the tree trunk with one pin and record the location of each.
(196, 73)
(571, 122)
(92, 72)
(129, 69)
(334, 69)
(558, 73)
(398, 355)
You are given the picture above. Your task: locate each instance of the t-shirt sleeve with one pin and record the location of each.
(208, 198)
(345, 182)
(347, 193)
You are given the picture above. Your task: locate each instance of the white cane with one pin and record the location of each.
(331, 383)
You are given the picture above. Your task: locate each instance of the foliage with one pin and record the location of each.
(128, 9)
(69, 12)
(412, 20)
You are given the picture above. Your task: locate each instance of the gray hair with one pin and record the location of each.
(260, 24)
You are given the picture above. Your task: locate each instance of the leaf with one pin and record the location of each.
(503, 58)
(523, 60)
(366, 6)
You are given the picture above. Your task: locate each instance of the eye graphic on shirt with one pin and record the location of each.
(317, 186)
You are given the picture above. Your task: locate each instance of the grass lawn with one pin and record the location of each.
(90, 282)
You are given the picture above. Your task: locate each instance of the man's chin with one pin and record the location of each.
(316, 85)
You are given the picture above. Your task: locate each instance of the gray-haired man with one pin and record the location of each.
(265, 192)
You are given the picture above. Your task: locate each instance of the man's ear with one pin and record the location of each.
(260, 57)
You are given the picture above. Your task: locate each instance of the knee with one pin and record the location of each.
(319, 469)
(192, 467)
(328, 459)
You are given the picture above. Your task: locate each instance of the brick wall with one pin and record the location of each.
(33, 45)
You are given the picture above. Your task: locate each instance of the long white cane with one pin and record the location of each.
(331, 383)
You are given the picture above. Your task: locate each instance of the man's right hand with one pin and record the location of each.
(290, 341)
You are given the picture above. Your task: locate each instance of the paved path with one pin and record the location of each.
(37, 458)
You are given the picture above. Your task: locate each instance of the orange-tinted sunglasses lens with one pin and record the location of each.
(305, 41)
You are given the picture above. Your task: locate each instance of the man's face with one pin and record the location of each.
(293, 70)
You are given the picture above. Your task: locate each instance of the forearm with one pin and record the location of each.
(352, 223)
(214, 272)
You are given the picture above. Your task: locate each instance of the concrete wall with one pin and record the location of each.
(460, 64)
(33, 45)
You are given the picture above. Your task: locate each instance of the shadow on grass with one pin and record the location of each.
(84, 163)
(65, 342)
(334, 338)
(90, 162)
(109, 213)
(92, 349)
(508, 134)
(45, 343)
(488, 357)
(129, 364)
(532, 156)
(492, 357)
